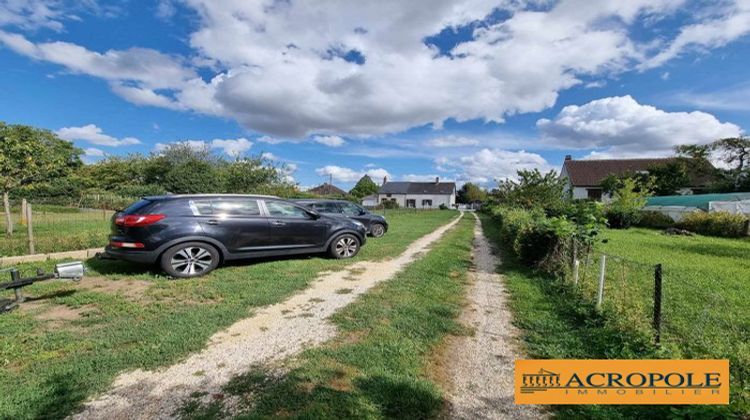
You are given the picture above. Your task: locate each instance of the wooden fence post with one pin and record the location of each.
(602, 271)
(30, 229)
(657, 302)
(8, 220)
(23, 211)
(576, 266)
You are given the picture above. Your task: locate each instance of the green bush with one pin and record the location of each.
(443, 206)
(622, 217)
(390, 204)
(715, 224)
(655, 220)
(536, 240)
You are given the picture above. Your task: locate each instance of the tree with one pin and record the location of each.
(471, 193)
(29, 155)
(627, 201)
(365, 186)
(532, 190)
(733, 151)
(670, 177)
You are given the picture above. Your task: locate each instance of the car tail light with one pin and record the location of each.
(136, 220)
(118, 244)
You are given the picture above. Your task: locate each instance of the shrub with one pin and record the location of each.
(655, 220)
(715, 224)
(625, 209)
(442, 206)
(622, 217)
(390, 204)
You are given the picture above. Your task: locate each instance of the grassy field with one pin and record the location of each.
(380, 364)
(57, 229)
(705, 311)
(71, 339)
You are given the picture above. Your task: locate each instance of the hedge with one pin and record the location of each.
(715, 224)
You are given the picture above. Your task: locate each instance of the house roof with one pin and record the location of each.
(327, 189)
(446, 188)
(591, 173)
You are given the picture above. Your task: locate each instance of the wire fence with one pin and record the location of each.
(43, 228)
(686, 314)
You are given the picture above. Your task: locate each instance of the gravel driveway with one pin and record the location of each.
(480, 371)
(273, 333)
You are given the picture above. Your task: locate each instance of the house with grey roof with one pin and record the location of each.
(418, 195)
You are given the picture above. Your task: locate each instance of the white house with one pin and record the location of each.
(420, 195)
(370, 200)
(584, 177)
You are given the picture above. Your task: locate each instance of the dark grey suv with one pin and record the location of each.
(375, 224)
(190, 235)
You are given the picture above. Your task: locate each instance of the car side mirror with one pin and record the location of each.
(313, 214)
(363, 211)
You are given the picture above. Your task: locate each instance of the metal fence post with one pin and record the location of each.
(657, 302)
(30, 229)
(576, 266)
(602, 271)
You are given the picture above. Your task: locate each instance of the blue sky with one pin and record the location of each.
(464, 90)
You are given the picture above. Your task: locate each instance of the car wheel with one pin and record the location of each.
(377, 230)
(191, 259)
(344, 246)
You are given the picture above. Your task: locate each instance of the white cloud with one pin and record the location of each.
(93, 152)
(731, 21)
(197, 145)
(270, 140)
(330, 141)
(623, 127)
(31, 14)
(488, 165)
(287, 78)
(350, 175)
(269, 156)
(734, 98)
(94, 135)
(232, 147)
(452, 141)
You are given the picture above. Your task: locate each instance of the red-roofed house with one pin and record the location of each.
(585, 176)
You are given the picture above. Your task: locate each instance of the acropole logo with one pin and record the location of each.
(622, 382)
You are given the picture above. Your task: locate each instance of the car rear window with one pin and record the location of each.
(136, 207)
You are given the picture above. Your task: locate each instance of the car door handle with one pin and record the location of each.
(213, 222)
(278, 223)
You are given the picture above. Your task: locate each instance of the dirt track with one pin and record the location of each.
(273, 333)
(480, 368)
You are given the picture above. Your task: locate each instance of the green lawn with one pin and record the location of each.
(380, 364)
(49, 367)
(57, 229)
(706, 314)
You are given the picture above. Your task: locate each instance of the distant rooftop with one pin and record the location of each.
(418, 188)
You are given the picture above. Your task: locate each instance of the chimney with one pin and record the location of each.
(437, 179)
(568, 157)
(385, 179)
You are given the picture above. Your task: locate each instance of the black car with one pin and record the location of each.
(190, 235)
(375, 224)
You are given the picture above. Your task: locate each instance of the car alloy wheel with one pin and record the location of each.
(377, 230)
(346, 247)
(192, 260)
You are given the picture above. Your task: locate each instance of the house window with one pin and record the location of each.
(426, 203)
(411, 203)
(594, 194)
(388, 195)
